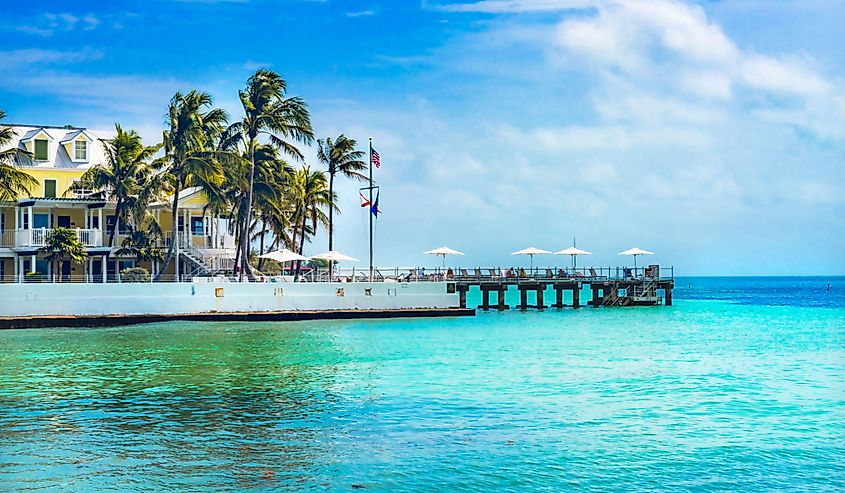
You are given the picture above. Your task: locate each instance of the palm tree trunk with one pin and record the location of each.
(237, 264)
(245, 237)
(331, 194)
(331, 224)
(261, 246)
(301, 246)
(117, 208)
(173, 230)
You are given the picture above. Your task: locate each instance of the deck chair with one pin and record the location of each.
(463, 275)
(626, 273)
(549, 274)
(478, 275)
(494, 274)
(594, 275)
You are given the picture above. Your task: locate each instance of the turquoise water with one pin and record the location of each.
(740, 385)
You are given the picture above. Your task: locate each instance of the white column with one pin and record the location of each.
(32, 264)
(20, 268)
(17, 268)
(100, 219)
(103, 267)
(176, 239)
(17, 213)
(31, 224)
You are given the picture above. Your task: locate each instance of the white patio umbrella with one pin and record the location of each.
(634, 252)
(283, 255)
(573, 252)
(443, 251)
(333, 256)
(531, 251)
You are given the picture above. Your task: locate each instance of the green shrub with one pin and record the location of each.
(135, 274)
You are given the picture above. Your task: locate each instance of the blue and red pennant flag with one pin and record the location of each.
(374, 208)
(364, 201)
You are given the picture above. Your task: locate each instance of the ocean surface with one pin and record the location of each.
(738, 386)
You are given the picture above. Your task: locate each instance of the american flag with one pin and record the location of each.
(376, 159)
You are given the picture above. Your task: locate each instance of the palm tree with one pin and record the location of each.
(284, 120)
(62, 243)
(310, 195)
(140, 245)
(341, 157)
(13, 182)
(125, 176)
(189, 153)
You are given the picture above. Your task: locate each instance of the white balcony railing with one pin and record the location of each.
(38, 237)
(7, 238)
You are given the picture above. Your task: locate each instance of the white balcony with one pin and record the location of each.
(37, 238)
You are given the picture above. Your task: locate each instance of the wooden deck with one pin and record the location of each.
(605, 292)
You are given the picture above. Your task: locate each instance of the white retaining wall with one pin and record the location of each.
(180, 298)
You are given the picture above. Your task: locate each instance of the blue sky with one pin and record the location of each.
(712, 133)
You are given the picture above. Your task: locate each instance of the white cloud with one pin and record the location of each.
(28, 57)
(50, 23)
(361, 13)
(706, 83)
(665, 50)
(516, 6)
(783, 76)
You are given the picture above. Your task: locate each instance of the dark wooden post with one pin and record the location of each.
(558, 296)
(503, 288)
(462, 294)
(668, 290)
(523, 297)
(576, 296)
(485, 297)
(540, 289)
(596, 301)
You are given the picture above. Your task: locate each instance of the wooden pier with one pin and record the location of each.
(605, 291)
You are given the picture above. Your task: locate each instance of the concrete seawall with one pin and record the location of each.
(40, 303)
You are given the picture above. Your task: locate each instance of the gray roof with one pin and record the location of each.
(58, 157)
(74, 134)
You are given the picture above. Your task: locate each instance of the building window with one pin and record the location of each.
(122, 227)
(80, 192)
(40, 150)
(41, 221)
(80, 150)
(50, 188)
(196, 226)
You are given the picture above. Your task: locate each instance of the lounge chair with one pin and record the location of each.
(478, 275)
(494, 274)
(594, 275)
(549, 274)
(627, 273)
(464, 275)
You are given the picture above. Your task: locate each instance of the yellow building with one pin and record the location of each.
(60, 156)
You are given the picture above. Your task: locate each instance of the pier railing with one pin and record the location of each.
(393, 274)
(491, 274)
